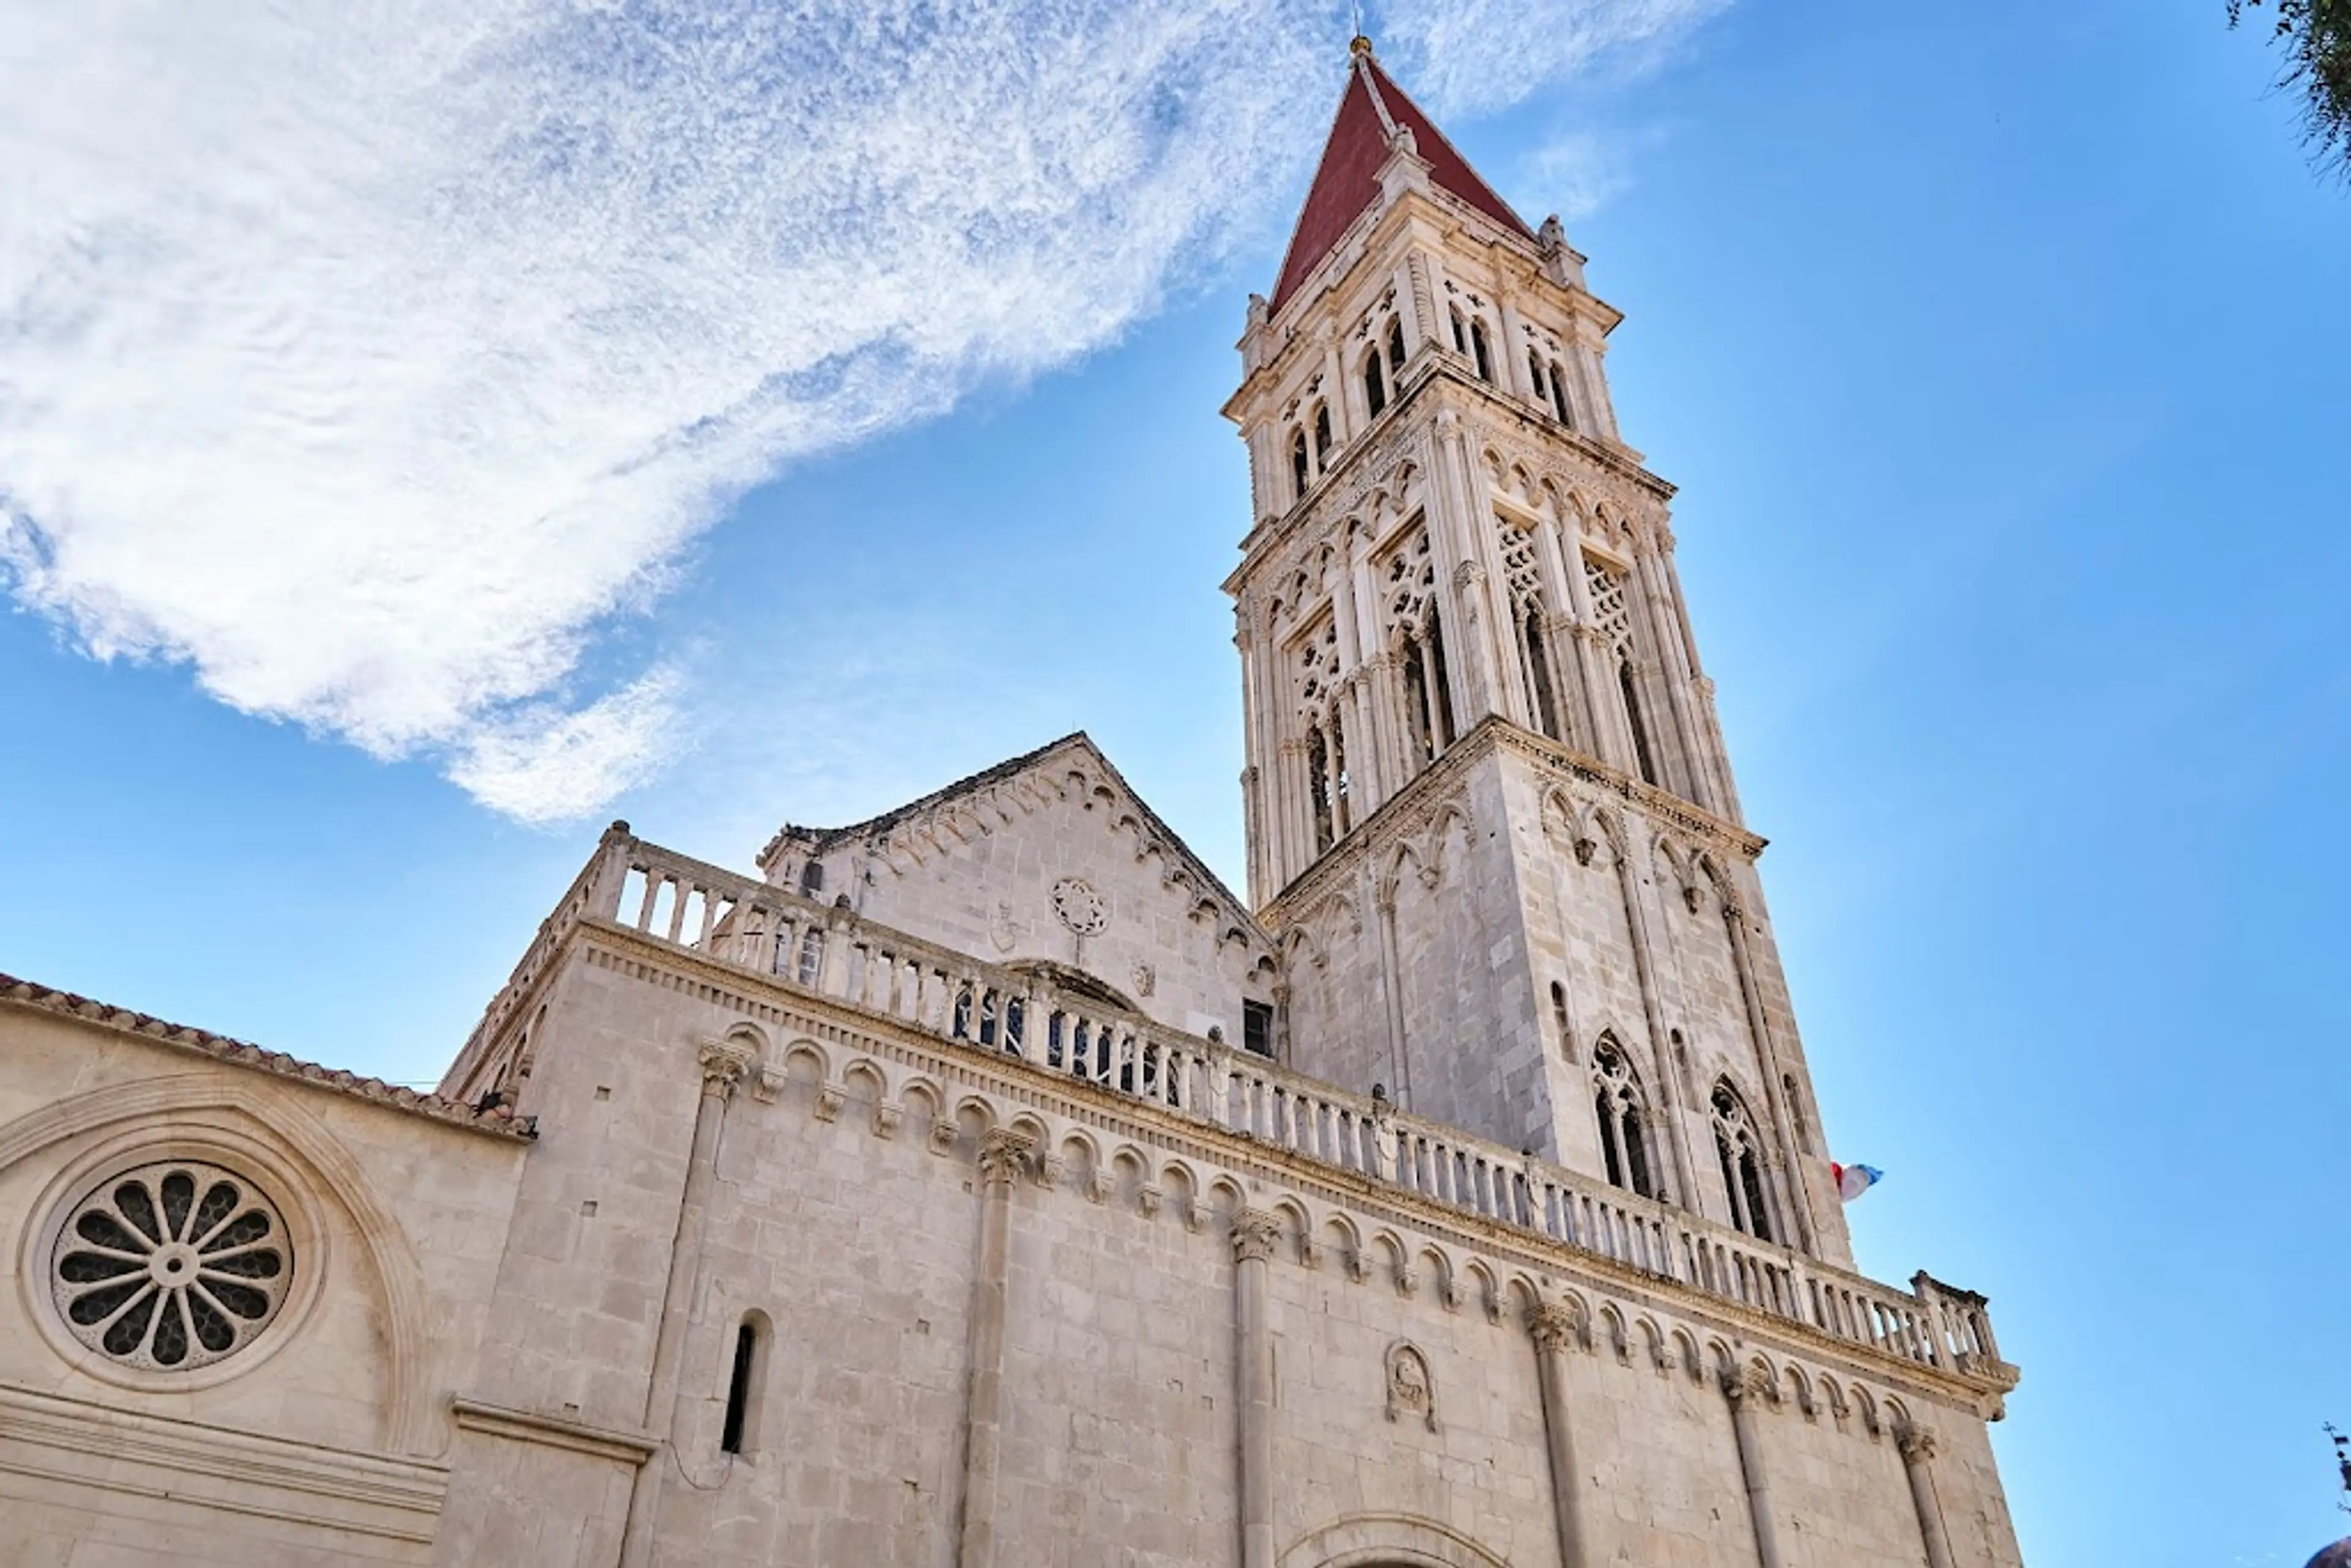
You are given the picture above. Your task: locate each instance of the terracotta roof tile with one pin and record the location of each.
(1346, 183)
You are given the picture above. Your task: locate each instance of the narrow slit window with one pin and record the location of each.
(1375, 384)
(737, 1432)
(1321, 435)
(1395, 346)
(1479, 351)
(1559, 396)
(1300, 473)
(1642, 754)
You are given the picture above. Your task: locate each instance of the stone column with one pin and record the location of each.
(1002, 1157)
(1918, 1447)
(724, 1064)
(1742, 1388)
(1255, 1232)
(1553, 1328)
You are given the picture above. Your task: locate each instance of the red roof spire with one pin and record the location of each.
(1347, 182)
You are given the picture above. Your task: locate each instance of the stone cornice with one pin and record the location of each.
(632, 1448)
(791, 1009)
(1399, 816)
(499, 1122)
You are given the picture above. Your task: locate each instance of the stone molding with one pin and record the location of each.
(631, 1448)
(200, 1466)
(1256, 1234)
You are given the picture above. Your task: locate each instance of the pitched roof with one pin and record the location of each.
(1346, 183)
(237, 1053)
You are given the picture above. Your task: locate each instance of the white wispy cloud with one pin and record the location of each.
(371, 359)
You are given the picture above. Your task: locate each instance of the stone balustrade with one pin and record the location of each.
(826, 950)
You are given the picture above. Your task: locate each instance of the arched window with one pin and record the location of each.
(1395, 345)
(1624, 1123)
(1438, 688)
(812, 878)
(740, 1430)
(1318, 788)
(1742, 1153)
(1340, 804)
(1477, 350)
(1460, 332)
(1539, 673)
(1535, 373)
(1375, 384)
(1321, 435)
(1641, 753)
(1301, 472)
(1559, 396)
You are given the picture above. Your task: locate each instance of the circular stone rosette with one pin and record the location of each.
(170, 1266)
(1079, 906)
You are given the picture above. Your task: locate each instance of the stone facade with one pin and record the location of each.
(987, 1185)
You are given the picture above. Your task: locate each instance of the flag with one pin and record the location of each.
(1853, 1180)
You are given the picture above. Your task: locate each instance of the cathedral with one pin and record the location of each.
(987, 1185)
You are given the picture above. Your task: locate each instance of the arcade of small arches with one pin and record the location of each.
(1059, 1156)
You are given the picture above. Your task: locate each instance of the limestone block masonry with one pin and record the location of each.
(987, 1185)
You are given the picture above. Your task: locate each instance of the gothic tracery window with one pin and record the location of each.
(1624, 1120)
(1528, 610)
(1327, 789)
(1419, 636)
(1741, 1153)
(1612, 617)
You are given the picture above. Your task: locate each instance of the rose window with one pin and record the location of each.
(171, 1266)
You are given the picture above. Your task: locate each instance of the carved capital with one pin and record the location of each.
(1003, 1155)
(1916, 1443)
(1254, 1233)
(1742, 1383)
(943, 1134)
(723, 1063)
(1553, 1325)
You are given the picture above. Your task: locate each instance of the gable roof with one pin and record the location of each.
(1346, 183)
(823, 839)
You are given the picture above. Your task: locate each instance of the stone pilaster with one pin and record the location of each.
(1254, 1236)
(1918, 1449)
(1553, 1328)
(1002, 1157)
(724, 1064)
(1742, 1388)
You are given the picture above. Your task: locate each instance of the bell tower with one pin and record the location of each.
(1489, 815)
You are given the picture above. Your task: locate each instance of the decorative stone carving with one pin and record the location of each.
(830, 1098)
(1003, 931)
(723, 1063)
(1146, 979)
(1002, 1157)
(1080, 907)
(885, 1121)
(1255, 1234)
(170, 1266)
(1553, 1325)
(943, 1134)
(1358, 1266)
(1412, 1393)
(1149, 1200)
(1916, 1443)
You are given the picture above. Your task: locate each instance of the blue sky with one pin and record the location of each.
(1997, 350)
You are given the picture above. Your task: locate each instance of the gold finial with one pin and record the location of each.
(1359, 44)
